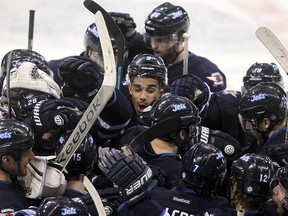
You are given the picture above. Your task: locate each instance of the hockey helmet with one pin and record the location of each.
(204, 166)
(19, 56)
(262, 72)
(16, 138)
(92, 40)
(85, 157)
(51, 206)
(265, 100)
(167, 19)
(169, 106)
(253, 173)
(148, 65)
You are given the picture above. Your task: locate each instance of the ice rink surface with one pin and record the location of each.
(221, 30)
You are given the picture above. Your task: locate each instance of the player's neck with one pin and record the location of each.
(4, 177)
(160, 146)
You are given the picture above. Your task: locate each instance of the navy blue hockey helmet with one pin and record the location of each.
(19, 56)
(15, 138)
(52, 206)
(85, 157)
(253, 174)
(167, 19)
(262, 72)
(169, 106)
(265, 100)
(92, 40)
(193, 88)
(204, 166)
(148, 65)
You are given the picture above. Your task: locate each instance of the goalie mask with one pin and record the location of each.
(262, 72)
(253, 174)
(85, 157)
(148, 65)
(265, 100)
(204, 167)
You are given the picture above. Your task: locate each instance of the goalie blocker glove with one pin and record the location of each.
(129, 172)
(82, 77)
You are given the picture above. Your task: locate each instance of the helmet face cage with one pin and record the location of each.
(265, 100)
(167, 19)
(148, 65)
(204, 166)
(24, 55)
(92, 40)
(253, 173)
(262, 72)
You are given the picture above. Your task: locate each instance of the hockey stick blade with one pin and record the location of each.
(274, 45)
(115, 31)
(99, 101)
(157, 130)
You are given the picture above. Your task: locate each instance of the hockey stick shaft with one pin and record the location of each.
(94, 195)
(115, 31)
(31, 29)
(160, 129)
(99, 101)
(186, 37)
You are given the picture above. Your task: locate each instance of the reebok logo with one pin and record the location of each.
(181, 200)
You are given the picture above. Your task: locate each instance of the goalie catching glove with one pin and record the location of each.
(82, 78)
(129, 172)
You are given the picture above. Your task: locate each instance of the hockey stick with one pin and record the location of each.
(274, 45)
(115, 31)
(99, 101)
(94, 195)
(186, 37)
(278, 51)
(157, 130)
(31, 29)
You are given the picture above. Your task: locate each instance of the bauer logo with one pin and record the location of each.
(6, 135)
(139, 183)
(177, 107)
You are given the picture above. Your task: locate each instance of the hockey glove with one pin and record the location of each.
(125, 22)
(128, 171)
(278, 153)
(81, 76)
(50, 115)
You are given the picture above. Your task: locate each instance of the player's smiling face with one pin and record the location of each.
(144, 91)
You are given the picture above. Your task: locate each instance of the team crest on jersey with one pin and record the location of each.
(216, 78)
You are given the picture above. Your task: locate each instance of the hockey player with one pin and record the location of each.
(146, 81)
(203, 169)
(164, 28)
(92, 51)
(15, 153)
(262, 112)
(249, 190)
